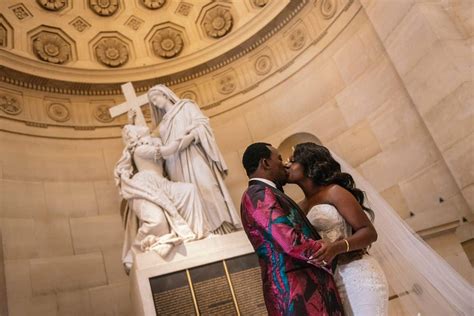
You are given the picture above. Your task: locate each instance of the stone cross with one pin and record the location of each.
(132, 102)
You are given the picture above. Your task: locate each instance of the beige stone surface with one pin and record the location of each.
(395, 198)
(74, 303)
(395, 164)
(52, 275)
(468, 193)
(433, 78)
(410, 41)
(460, 158)
(45, 159)
(386, 15)
(18, 238)
(53, 237)
(22, 199)
(236, 179)
(424, 189)
(439, 20)
(352, 59)
(113, 265)
(369, 91)
(70, 199)
(448, 212)
(231, 131)
(448, 247)
(357, 145)
(111, 300)
(18, 282)
(452, 119)
(36, 305)
(395, 119)
(107, 197)
(94, 233)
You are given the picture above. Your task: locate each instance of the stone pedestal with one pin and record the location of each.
(217, 275)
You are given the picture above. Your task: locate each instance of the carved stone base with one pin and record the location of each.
(214, 276)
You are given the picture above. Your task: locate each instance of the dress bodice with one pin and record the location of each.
(328, 222)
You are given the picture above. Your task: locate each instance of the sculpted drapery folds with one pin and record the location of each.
(198, 160)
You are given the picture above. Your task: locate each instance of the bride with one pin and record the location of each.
(420, 280)
(335, 207)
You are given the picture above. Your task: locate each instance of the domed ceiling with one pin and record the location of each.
(97, 42)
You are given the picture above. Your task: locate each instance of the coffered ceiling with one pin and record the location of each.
(111, 41)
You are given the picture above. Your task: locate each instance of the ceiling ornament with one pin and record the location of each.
(52, 5)
(21, 12)
(217, 22)
(189, 94)
(52, 48)
(80, 24)
(167, 43)
(260, 3)
(104, 7)
(10, 105)
(134, 23)
(328, 8)
(263, 65)
(226, 84)
(111, 52)
(297, 39)
(58, 112)
(184, 8)
(153, 4)
(102, 114)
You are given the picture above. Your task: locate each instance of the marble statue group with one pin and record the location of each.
(173, 184)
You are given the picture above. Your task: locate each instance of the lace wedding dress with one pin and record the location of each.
(361, 282)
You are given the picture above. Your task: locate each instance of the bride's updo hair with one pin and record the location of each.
(319, 165)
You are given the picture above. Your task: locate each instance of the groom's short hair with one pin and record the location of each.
(253, 154)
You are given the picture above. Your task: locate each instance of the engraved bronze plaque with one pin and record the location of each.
(172, 295)
(247, 284)
(212, 289)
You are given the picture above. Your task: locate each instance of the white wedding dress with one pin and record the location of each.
(361, 283)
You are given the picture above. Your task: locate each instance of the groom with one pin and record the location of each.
(283, 240)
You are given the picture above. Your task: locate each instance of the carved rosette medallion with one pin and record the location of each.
(263, 65)
(58, 112)
(167, 43)
(102, 114)
(52, 5)
(328, 8)
(260, 3)
(104, 7)
(51, 48)
(297, 39)
(153, 4)
(226, 84)
(217, 22)
(10, 105)
(191, 95)
(111, 52)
